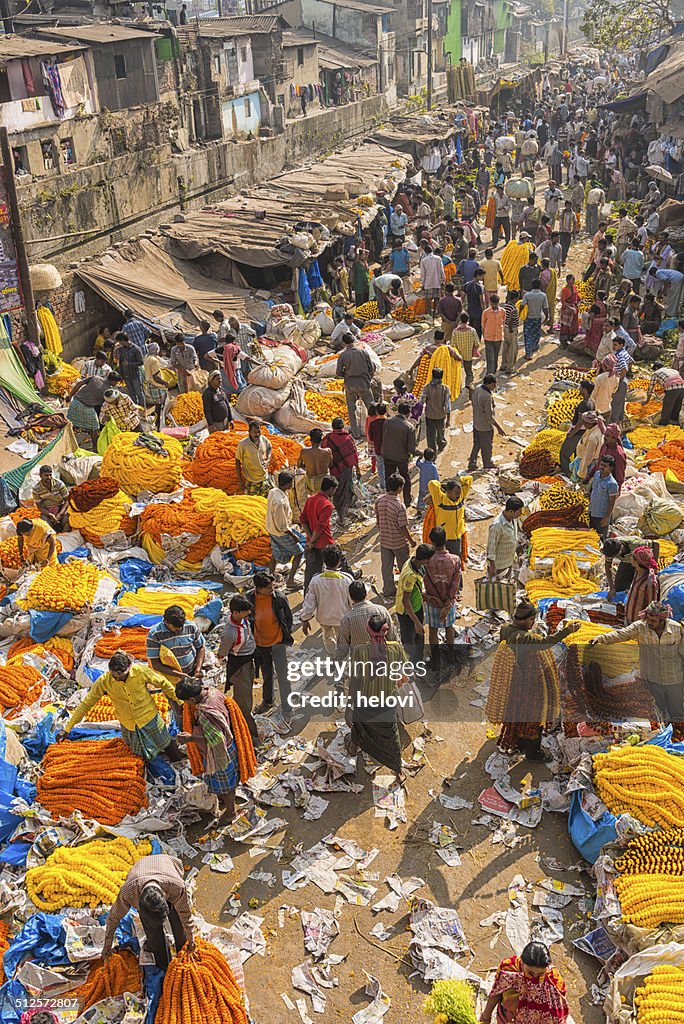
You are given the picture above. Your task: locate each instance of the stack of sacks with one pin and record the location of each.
(136, 469)
(98, 507)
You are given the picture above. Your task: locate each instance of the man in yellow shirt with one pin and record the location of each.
(37, 542)
(493, 275)
(448, 499)
(127, 686)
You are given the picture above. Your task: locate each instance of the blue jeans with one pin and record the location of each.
(380, 467)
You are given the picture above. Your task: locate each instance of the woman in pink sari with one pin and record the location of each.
(597, 314)
(231, 366)
(527, 989)
(569, 312)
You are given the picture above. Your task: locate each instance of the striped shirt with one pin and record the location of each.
(623, 361)
(464, 340)
(167, 872)
(184, 644)
(390, 514)
(51, 496)
(512, 317)
(123, 411)
(353, 629)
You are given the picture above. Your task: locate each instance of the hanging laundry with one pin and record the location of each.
(304, 292)
(53, 84)
(27, 73)
(314, 275)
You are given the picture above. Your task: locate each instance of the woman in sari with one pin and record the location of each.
(605, 385)
(232, 374)
(569, 312)
(597, 318)
(524, 695)
(549, 283)
(612, 445)
(527, 989)
(543, 232)
(213, 736)
(645, 587)
(374, 729)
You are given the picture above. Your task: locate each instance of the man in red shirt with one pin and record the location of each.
(315, 519)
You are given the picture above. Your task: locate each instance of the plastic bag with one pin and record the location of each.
(325, 322)
(107, 435)
(196, 380)
(588, 835)
(397, 331)
(262, 402)
(661, 516)
(76, 469)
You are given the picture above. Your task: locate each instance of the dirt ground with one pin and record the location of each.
(478, 887)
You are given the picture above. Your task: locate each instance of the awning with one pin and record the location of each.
(249, 227)
(415, 134)
(164, 290)
(628, 104)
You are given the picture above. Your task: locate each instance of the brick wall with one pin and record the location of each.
(78, 330)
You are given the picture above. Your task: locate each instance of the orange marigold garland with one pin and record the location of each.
(100, 778)
(120, 973)
(88, 495)
(174, 519)
(200, 986)
(24, 512)
(104, 709)
(214, 462)
(4, 945)
(60, 646)
(131, 639)
(20, 686)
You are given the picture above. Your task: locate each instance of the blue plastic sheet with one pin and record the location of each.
(212, 610)
(42, 939)
(675, 596)
(140, 619)
(15, 853)
(587, 835)
(85, 732)
(668, 324)
(313, 275)
(40, 737)
(153, 980)
(133, 572)
(304, 291)
(159, 768)
(14, 999)
(45, 625)
(664, 739)
(64, 556)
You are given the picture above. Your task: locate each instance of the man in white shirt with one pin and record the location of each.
(327, 598)
(345, 326)
(596, 199)
(397, 223)
(286, 543)
(432, 277)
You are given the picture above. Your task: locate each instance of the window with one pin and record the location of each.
(5, 92)
(48, 155)
(243, 54)
(119, 66)
(248, 107)
(385, 22)
(20, 157)
(68, 153)
(300, 56)
(217, 64)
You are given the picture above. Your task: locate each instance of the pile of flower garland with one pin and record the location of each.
(136, 469)
(200, 986)
(175, 518)
(188, 409)
(120, 973)
(99, 507)
(214, 462)
(100, 778)
(63, 588)
(84, 876)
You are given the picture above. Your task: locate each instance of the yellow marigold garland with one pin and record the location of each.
(61, 588)
(188, 409)
(137, 469)
(84, 876)
(645, 781)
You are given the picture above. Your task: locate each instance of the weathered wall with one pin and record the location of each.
(95, 206)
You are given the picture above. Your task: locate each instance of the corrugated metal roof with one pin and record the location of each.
(298, 37)
(99, 34)
(256, 23)
(334, 54)
(13, 47)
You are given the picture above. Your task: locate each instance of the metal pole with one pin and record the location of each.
(429, 56)
(565, 27)
(18, 234)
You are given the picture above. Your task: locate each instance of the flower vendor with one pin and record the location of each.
(37, 542)
(524, 710)
(252, 457)
(142, 727)
(287, 544)
(155, 887)
(51, 497)
(175, 647)
(527, 990)
(212, 734)
(217, 411)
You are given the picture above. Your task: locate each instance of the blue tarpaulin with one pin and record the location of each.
(45, 625)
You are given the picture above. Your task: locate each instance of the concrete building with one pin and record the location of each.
(302, 89)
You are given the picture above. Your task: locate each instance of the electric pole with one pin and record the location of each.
(429, 55)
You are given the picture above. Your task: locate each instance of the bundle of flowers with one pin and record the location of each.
(136, 468)
(84, 876)
(100, 778)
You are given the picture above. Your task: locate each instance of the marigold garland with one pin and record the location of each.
(109, 515)
(643, 410)
(173, 519)
(646, 782)
(326, 407)
(4, 945)
(137, 469)
(651, 437)
(100, 778)
(155, 602)
(120, 973)
(200, 986)
(660, 998)
(60, 646)
(104, 711)
(84, 876)
(214, 462)
(188, 409)
(550, 542)
(88, 495)
(62, 588)
(9, 553)
(24, 512)
(20, 686)
(131, 639)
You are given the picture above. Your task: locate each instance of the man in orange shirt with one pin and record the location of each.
(272, 627)
(493, 324)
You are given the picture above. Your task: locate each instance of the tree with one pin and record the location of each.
(627, 24)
